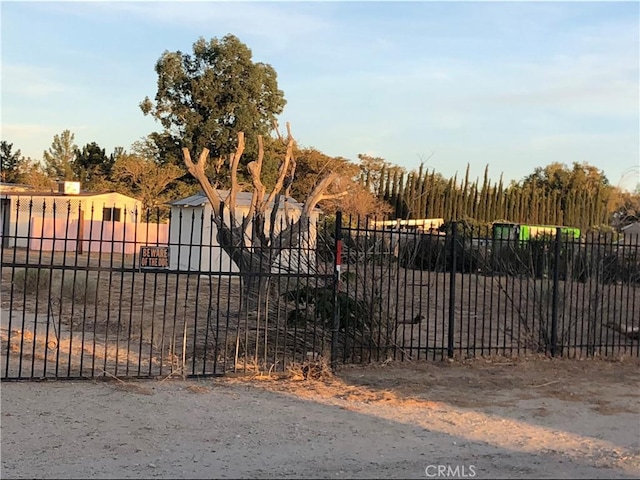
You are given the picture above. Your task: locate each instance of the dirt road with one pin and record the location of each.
(525, 419)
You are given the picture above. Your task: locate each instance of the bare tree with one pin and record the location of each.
(254, 241)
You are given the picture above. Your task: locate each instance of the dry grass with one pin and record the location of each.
(317, 368)
(30, 280)
(197, 389)
(77, 286)
(481, 383)
(131, 387)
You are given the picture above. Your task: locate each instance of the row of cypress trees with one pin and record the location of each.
(423, 194)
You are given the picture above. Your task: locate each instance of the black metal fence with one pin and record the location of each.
(457, 291)
(90, 292)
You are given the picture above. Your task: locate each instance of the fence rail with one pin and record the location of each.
(347, 291)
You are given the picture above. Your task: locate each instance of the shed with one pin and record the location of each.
(631, 233)
(193, 244)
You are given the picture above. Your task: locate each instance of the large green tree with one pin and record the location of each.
(560, 177)
(205, 98)
(59, 159)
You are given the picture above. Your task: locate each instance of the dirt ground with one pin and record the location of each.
(531, 418)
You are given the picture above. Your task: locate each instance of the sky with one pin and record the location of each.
(513, 85)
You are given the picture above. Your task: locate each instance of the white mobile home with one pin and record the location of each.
(20, 209)
(193, 243)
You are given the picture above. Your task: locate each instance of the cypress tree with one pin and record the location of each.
(499, 207)
(387, 187)
(483, 207)
(422, 178)
(400, 197)
(394, 193)
(432, 194)
(412, 196)
(448, 201)
(462, 212)
(472, 208)
(534, 202)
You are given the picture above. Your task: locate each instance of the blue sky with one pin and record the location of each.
(515, 85)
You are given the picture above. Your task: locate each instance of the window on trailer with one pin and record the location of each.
(111, 214)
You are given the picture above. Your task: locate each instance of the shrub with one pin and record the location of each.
(76, 286)
(31, 280)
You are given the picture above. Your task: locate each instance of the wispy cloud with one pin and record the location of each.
(22, 135)
(571, 140)
(587, 84)
(517, 84)
(279, 23)
(30, 81)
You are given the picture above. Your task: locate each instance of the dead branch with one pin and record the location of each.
(282, 174)
(277, 129)
(198, 172)
(255, 170)
(234, 161)
(288, 181)
(629, 331)
(319, 193)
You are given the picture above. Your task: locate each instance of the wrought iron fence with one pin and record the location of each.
(458, 291)
(90, 296)
(87, 293)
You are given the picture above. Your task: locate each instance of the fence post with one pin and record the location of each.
(554, 298)
(336, 290)
(452, 289)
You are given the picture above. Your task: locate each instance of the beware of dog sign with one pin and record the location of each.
(154, 257)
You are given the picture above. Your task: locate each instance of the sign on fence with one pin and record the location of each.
(154, 257)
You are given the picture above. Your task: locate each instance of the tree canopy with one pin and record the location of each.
(92, 166)
(144, 178)
(561, 178)
(59, 159)
(204, 99)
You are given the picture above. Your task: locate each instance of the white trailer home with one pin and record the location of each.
(23, 212)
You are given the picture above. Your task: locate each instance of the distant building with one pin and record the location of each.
(14, 187)
(424, 225)
(21, 208)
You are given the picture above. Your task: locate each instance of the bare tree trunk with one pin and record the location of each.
(246, 240)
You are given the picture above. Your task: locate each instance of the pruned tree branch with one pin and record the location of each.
(198, 171)
(234, 161)
(282, 174)
(285, 179)
(319, 193)
(277, 129)
(289, 130)
(255, 170)
(287, 185)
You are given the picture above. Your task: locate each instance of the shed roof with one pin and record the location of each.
(243, 199)
(631, 226)
(27, 193)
